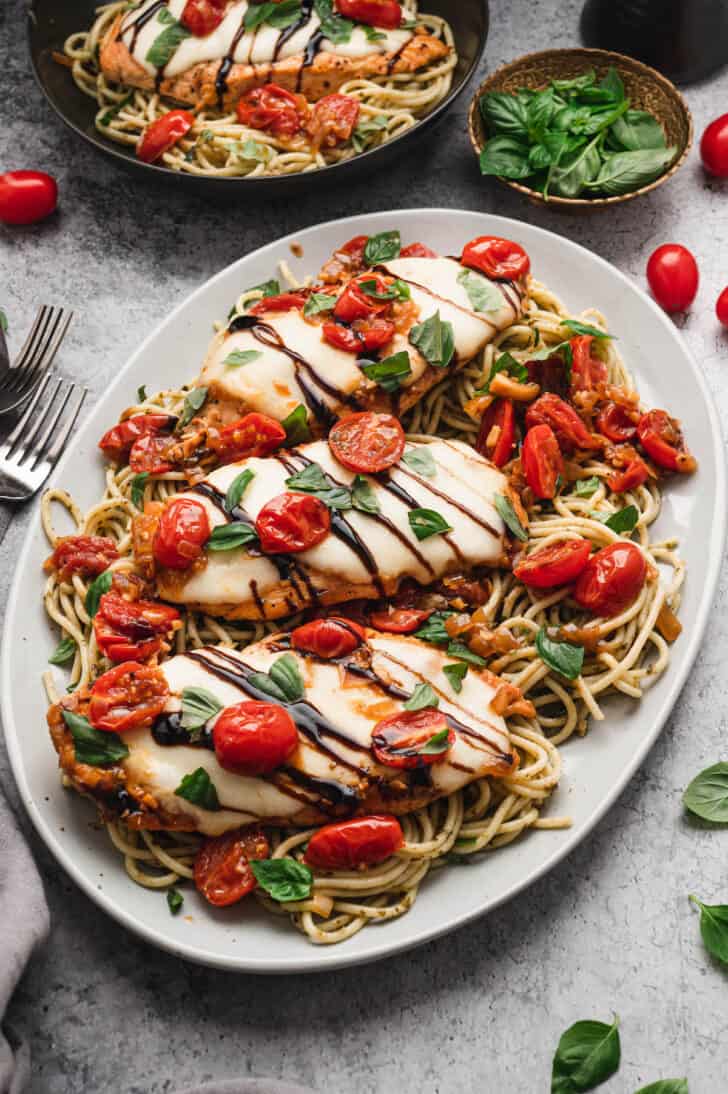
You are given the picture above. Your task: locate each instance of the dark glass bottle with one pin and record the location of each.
(685, 39)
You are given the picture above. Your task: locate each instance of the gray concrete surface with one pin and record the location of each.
(610, 929)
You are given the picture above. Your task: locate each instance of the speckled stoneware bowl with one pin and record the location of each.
(645, 87)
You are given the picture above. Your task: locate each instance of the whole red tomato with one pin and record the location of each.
(714, 147)
(672, 274)
(27, 196)
(721, 307)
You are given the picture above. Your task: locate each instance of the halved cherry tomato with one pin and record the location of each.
(365, 336)
(349, 844)
(285, 301)
(570, 431)
(611, 580)
(417, 250)
(615, 423)
(131, 631)
(496, 257)
(290, 523)
(354, 248)
(253, 435)
(332, 120)
(586, 371)
(273, 109)
(117, 442)
(328, 638)
(163, 134)
(497, 433)
(399, 740)
(355, 303)
(376, 13)
(27, 196)
(253, 738)
(558, 564)
(84, 555)
(129, 696)
(672, 274)
(399, 620)
(663, 441)
(714, 147)
(222, 865)
(201, 17)
(182, 532)
(147, 454)
(634, 474)
(542, 461)
(367, 442)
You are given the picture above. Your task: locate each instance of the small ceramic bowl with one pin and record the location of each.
(646, 89)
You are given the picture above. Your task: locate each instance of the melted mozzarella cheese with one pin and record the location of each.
(438, 277)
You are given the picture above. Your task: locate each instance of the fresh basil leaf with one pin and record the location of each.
(165, 45)
(198, 706)
(311, 479)
(111, 113)
(333, 27)
(94, 746)
(665, 1086)
(587, 1054)
(508, 364)
(64, 651)
(637, 129)
(199, 789)
(438, 743)
(266, 288)
(319, 302)
(561, 657)
(366, 129)
(363, 496)
(175, 900)
(96, 590)
(237, 488)
(398, 290)
(426, 522)
(250, 150)
(286, 675)
(241, 357)
(194, 401)
(625, 171)
(435, 340)
(390, 372)
(423, 696)
(578, 327)
(458, 649)
(506, 158)
(433, 629)
(141, 394)
(484, 295)
(137, 489)
(372, 34)
(601, 120)
(624, 520)
(504, 113)
(539, 157)
(714, 928)
(578, 83)
(540, 110)
(707, 795)
(228, 537)
(382, 247)
(586, 487)
(263, 682)
(575, 170)
(283, 879)
(296, 426)
(612, 84)
(421, 461)
(456, 673)
(508, 515)
(279, 15)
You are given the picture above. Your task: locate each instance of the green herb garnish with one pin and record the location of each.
(587, 1054)
(484, 295)
(228, 537)
(389, 373)
(296, 426)
(456, 673)
(423, 696)
(199, 789)
(312, 479)
(93, 746)
(237, 488)
(64, 651)
(508, 515)
(283, 879)
(435, 340)
(198, 706)
(426, 522)
(561, 657)
(421, 461)
(240, 357)
(382, 247)
(319, 302)
(138, 483)
(194, 401)
(175, 900)
(363, 496)
(707, 795)
(96, 590)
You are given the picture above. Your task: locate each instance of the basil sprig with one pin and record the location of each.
(168, 41)
(175, 900)
(240, 357)
(94, 746)
(707, 795)
(508, 515)
(228, 537)
(561, 657)
(422, 696)
(319, 302)
(282, 682)
(138, 484)
(484, 295)
(64, 651)
(456, 673)
(296, 426)
(363, 496)
(283, 879)
(198, 706)
(312, 479)
(390, 372)
(578, 327)
(194, 401)
(421, 461)
(96, 590)
(427, 522)
(433, 629)
(714, 928)
(587, 1054)
(435, 340)
(279, 15)
(199, 789)
(382, 247)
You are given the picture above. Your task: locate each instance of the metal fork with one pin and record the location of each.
(31, 451)
(35, 357)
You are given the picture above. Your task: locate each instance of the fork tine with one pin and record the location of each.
(40, 445)
(41, 360)
(33, 334)
(17, 433)
(28, 448)
(60, 442)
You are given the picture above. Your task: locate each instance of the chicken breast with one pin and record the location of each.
(222, 66)
(365, 554)
(333, 771)
(292, 365)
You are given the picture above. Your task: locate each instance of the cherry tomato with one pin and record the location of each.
(558, 564)
(222, 865)
(417, 250)
(663, 441)
(201, 17)
(367, 442)
(84, 555)
(721, 307)
(346, 845)
(332, 120)
(163, 134)
(253, 738)
(672, 274)
(27, 196)
(570, 431)
(147, 454)
(497, 433)
(253, 435)
(542, 461)
(365, 336)
(399, 740)
(376, 13)
(285, 301)
(341, 337)
(130, 631)
(586, 371)
(273, 109)
(118, 441)
(328, 638)
(356, 303)
(129, 696)
(616, 423)
(633, 475)
(399, 620)
(714, 147)
(290, 523)
(354, 249)
(611, 580)
(496, 257)
(182, 532)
